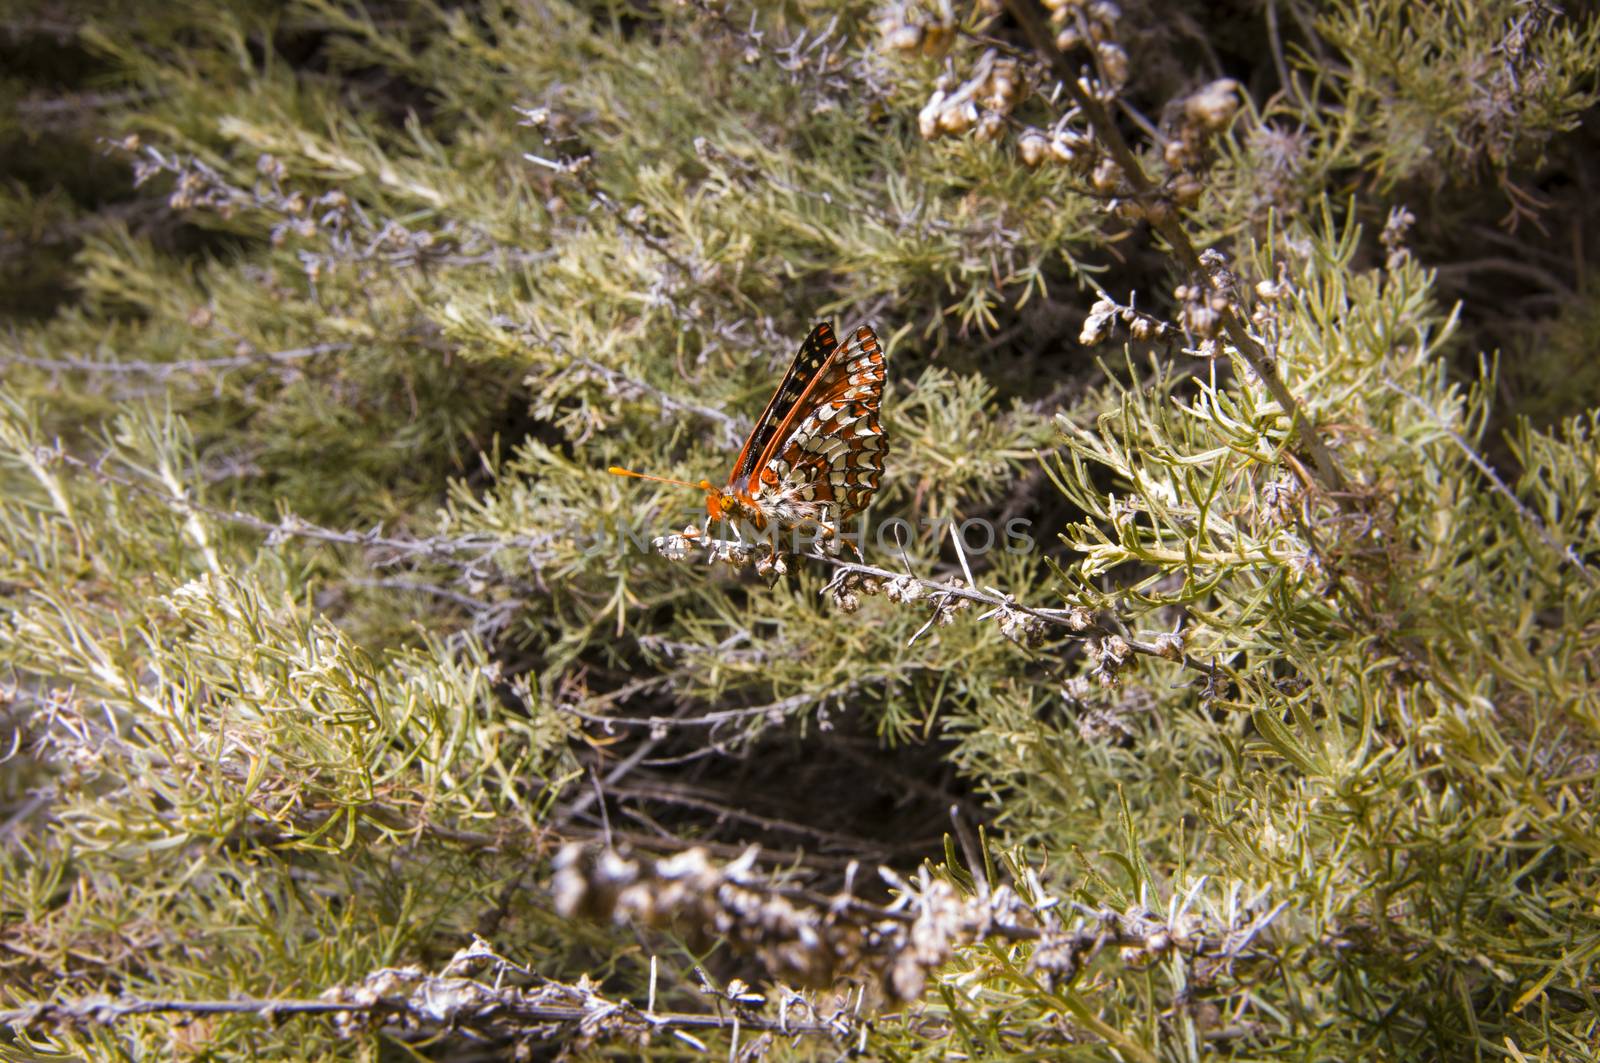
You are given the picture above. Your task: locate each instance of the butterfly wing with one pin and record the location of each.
(808, 361)
(830, 447)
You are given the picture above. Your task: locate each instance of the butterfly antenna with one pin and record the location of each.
(617, 470)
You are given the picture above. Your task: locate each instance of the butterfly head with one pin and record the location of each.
(721, 504)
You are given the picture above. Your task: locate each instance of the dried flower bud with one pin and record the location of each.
(1096, 327)
(1214, 106)
(903, 589)
(1068, 39)
(1005, 87)
(960, 118)
(1186, 189)
(903, 39)
(1179, 153)
(1113, 63)
(1079, 618)
(200, 317)
(1107, 176)
(1127, 209)
(671, 547)
(1061, 148)
(1270, 291)
(1169, 644)
(1201, 320)
(1032, 146)
(1105, 13)
(990, 126)
(1021, 628)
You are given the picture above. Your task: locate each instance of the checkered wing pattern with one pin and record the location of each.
(808, 362)
(827, 456)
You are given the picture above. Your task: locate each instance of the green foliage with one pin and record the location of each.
(323, 623)
(1440, 88)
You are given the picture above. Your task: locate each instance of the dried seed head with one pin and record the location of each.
(1096, 327)
(1032, 146)
(1105, 13)
(1278, 498)
(671, 547)
(1113, 63)
(903, 589)
(903, 38)
(1107, 176)
(1021, 628)
(990, 126)
(1180, 153)
(1186, 189)
(1201, 320)
(1005, 87)
(771, 566)
(1214, 106)
(1170, 645)
(958, 119)
(1063, 150)
(735, 554)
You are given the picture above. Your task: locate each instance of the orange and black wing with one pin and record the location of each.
(808, 362)
(830, 447)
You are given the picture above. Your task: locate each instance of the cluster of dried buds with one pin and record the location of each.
(820, 941)
(1091, 24)
(1022, 626)
(848, 585)
(1264, 314)
(413, 1003)
(1109, 656)
(1201, 306)
(1061, 144)
(768, 560)
(1187, 152)
(1105, 313)
(810, 944)
(1395, 230)
(978, 105)
(914, 32)
(1280, 500)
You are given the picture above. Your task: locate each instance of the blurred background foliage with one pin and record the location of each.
(324, 625)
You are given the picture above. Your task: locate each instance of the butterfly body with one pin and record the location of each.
(816, 453)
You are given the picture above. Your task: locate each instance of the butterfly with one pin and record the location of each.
(816, 454)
